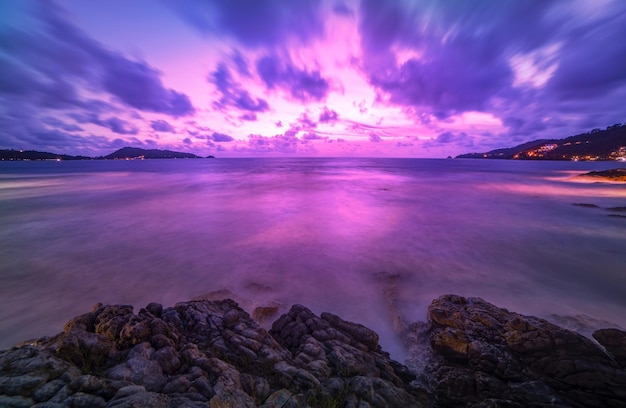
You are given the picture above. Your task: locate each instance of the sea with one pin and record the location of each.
(368, 239)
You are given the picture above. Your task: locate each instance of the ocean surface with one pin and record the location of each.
(332, 234)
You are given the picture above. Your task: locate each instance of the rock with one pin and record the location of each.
(139, 400)
(15, 401)
(82, 400)
(614, 341)
(618, 174)
(203, 353)
(326, 348)
(213, 353)
(489, 355)
(278, 399)
(262, 314)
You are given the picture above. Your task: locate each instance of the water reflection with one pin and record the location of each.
(315, 231)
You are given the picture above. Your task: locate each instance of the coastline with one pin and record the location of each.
(469, 352)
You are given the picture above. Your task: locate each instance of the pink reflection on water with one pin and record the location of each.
(308, 234)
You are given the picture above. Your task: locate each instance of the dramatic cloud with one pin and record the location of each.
(306, 122)
(162, 126)
(250, 117)
(58, 67)
(116, 125)
(232, 95)
(342, 9)
(311, 136)
(220, 137)
(273, 144)
(138, 85)
(300, 83)
(444, 75)
(255, 23)
(328, 115)
(55, 122)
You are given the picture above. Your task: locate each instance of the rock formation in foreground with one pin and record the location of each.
(480, 355)
(212, 353)
(204, 353)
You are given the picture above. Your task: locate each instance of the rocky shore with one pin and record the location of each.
(618, 174)
(212, 353)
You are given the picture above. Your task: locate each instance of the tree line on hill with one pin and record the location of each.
(598, 144)
(125, 153)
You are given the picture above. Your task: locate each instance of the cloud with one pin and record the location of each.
(113, 123)
(233, 95)
(241, 63)
(162, 126)
(301, 84)
(445, 137)
(120, 126)
(57, 123)
(49, 67)
(255, 23)
(375, 138)
(292, 131)
(442, 72)
(250, 117)
(311, 136)
(588, 67)
(524, 62)
(342, 10)
(328, 115)
(449, 138)
(278, 143)
(306, 122)
(138, 85)
(221, 137)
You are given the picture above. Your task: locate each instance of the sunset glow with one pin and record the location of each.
(245, 78)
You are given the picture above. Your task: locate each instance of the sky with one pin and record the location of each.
(254, 78)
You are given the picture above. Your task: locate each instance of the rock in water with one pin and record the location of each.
(614, 341)
(488, 356)
(204, 353)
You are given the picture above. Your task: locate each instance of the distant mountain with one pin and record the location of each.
(35, 155)
(138, 153)
(607, 144)
(126, 153)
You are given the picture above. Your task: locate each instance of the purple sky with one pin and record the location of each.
(307, 77)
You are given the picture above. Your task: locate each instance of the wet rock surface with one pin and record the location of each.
(618, 174)
(204, 353)
(211, 353)
(482, 355)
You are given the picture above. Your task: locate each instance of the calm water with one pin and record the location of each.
(309, 231)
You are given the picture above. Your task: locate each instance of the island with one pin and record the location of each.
(125, 153)
(128, 153)
(607, 144)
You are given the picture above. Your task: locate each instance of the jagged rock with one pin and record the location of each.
(491, 356)
(203, 353)
(328, 348)
(212, 353)
(614, 341)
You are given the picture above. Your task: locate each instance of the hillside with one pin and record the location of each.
(35, 155)
(126, 153)
(607, 144)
